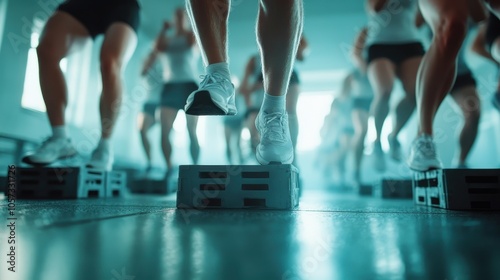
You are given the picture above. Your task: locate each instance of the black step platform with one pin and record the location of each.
(67, 183)
(458, 189)
(238, 186)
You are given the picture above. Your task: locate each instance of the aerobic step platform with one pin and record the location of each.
(393, 188)
(68, 182)
(238, 186)
(458, 189)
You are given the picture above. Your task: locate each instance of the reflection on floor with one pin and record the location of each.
(331, 236)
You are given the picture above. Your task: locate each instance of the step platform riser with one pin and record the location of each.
(239, 186)
(458, 189)
(68, 183)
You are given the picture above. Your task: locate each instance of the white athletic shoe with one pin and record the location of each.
(50, 151)
(378, 159)
(101, 159)
(275, 142)
(423, 155)
(394, 149)
(215, 96)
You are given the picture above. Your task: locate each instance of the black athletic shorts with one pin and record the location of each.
(98, 15)
(463, 80)
(397, 53)
(175, 95)
(149, 108)
(492, 31)
(362, 103)
(294, 78)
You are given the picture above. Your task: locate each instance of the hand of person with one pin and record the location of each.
(167, 25)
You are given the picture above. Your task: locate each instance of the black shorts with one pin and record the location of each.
(149, 108)
(98, 15)
(492, 31)
(175, 95)
(463, 80)
(294, 78)
(362, 103)
(397, 53)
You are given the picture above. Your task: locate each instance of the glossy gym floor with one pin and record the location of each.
(330, 236)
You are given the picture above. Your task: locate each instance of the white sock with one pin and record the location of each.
(221, 67)
(59, 131)
(104, 143)
(273, 104)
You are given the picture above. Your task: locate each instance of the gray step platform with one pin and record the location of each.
(458, 189)
(238, 186)
(68, 183)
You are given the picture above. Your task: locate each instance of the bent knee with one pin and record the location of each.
(451, 32)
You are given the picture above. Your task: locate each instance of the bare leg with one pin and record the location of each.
(167, 118)
(194, 146)
(382, 74)
(360, 119)
(237, 137)
(292, 97)
(468, 101)
(448, 20)
(61, 36)
(227, 135)
(408, 76)
(146, 121)
(118, 46)
(209, 20)
(279, 29)
(254, 134)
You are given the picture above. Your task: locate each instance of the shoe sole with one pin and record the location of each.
(262, 161)
(420, 168)
(98, 167)
(203, 105)
(41, 164)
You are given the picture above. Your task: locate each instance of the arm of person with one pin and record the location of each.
(375, 6)
(162, 41)
(148, 63)
(419, 19)
(478, 45)
(191, 39)
(346, 88)
(357, 50)
(303, 49)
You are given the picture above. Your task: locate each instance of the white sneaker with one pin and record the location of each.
(101, 159)
(275, 142)
(215, 96)
(394, 149)
(423, 155)
(378, 159)
(50, 151)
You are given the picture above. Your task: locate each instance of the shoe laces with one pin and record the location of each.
(426, 147)
(99, 153)
(274, 126)
(48, 144)
(210, 79)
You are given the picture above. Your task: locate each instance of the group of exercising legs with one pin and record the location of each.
(393, 51)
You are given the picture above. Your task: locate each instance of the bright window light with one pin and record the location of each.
(312, 107)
